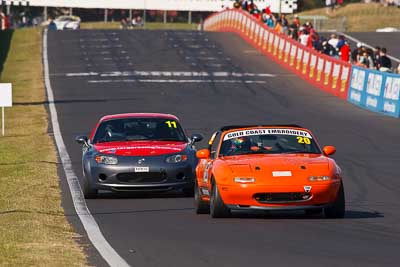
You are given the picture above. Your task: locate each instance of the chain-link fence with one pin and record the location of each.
(325, 24)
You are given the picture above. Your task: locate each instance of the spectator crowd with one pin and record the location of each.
(335, 45)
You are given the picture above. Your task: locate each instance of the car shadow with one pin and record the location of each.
(141, 195)
(350, 214)
(270, 215)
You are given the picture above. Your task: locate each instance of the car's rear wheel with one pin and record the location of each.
(218, 209)
(88, 191)
(337, 209)
(201, 207)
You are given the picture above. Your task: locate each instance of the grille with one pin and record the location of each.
(142, 177)
(281, 197)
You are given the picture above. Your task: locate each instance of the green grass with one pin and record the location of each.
(363, 17)
(33, 228)
(148, 26)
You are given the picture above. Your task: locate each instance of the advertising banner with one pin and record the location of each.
(373, 90)
(344, 79)
(313, 64)
(306, 58)
(281, 48)
(272, 37)
(287, 52)
(276, 45)
(261, 36)
(293, 54)
(356, 89)
(266, 37)
(320, 68)
(327, 72)
(391, 95)
(376, 91)
(299, 57)
(335, 75)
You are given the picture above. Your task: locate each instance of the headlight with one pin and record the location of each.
(244, 180)
(319, 178)
(109, 160)
(176, 159)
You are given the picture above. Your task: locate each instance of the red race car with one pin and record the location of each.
(267, 168)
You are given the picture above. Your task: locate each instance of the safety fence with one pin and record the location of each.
(327, 73)
(375, 91)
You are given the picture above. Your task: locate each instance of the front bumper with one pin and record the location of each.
(280, 208)
(161, 176)
(243, 196)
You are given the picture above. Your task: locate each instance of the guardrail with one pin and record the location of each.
(329, 74)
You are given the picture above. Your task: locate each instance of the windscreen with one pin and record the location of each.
(139, 129)
(268, 141)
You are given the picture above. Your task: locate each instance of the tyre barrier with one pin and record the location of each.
(373, 90)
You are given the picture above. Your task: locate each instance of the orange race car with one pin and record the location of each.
(267, 168)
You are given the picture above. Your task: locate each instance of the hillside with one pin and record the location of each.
(362, 17)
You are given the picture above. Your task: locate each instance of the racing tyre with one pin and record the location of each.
(337, 209)
(218, 209)
(88, 191)
(201, 207)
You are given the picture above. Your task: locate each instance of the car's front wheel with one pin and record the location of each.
(201, 207)
(337, 209)
(218, 209)
(88, 191)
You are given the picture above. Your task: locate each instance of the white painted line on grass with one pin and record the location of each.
(174, 81)
(91, 227)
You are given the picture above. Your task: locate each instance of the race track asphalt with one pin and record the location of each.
(86, 71)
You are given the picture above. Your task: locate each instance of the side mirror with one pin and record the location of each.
(329, 150)
(203, 154)
(196, 138)
(81, 139)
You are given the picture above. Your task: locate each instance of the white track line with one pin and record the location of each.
(174, 81)
(91, 227)
(167, 74)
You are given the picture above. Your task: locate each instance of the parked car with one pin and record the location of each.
(68, 23)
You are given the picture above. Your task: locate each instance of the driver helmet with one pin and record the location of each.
(241, 143)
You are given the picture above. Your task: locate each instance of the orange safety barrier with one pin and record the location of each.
(329, 74)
